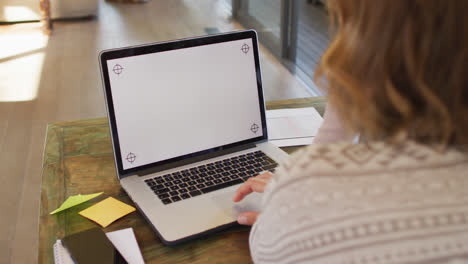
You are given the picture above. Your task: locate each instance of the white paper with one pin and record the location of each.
(125, 242)
(292, 142)
(293, 127)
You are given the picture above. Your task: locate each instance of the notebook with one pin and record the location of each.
(123, 240)
(61, 254)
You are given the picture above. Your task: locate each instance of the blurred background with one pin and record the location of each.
(52, 74)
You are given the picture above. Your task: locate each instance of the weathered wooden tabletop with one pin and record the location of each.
(78, 159)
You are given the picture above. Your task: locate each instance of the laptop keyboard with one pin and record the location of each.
(210, 177)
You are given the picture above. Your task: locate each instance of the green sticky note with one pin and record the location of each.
(75, 200)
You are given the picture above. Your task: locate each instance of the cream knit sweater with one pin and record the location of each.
(365, 203)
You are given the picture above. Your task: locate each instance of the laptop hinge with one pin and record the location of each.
(196, 159)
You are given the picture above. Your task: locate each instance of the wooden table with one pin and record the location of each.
(78, 159)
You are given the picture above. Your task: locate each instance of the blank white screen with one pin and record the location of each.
(178, 102)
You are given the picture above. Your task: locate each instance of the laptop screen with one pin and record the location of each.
(182, 101)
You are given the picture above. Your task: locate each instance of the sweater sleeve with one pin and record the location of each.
(365, 203)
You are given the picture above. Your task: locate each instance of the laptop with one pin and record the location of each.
(188, 127)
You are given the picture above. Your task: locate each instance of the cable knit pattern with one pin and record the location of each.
(365, 203)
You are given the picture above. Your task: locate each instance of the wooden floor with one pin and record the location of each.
(56, 78)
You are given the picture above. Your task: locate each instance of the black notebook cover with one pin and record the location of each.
(92, 246)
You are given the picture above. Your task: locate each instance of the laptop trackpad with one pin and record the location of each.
(224, 202)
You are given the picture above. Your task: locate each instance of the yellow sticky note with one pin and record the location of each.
(107, 211)
(75, 200)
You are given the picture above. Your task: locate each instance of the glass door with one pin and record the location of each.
(266, 17)
(312, 38)
(295, 31)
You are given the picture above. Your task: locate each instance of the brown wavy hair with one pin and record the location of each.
(399, 67)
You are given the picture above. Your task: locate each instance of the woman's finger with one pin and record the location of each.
(254, 184)
(247, 218)
(251, 185)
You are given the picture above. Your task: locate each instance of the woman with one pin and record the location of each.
(396, 73)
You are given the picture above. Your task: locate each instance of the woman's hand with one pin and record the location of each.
(254, 184)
